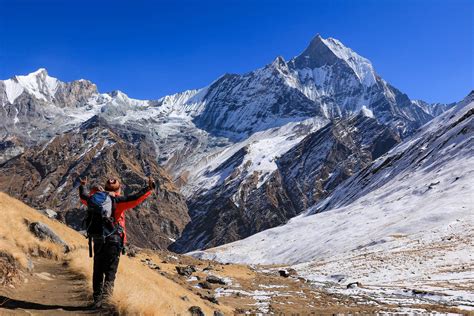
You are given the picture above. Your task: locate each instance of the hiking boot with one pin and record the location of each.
(98, 304)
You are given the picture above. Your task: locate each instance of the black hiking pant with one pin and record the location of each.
(106, 261)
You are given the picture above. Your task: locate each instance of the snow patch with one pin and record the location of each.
(366, 112)
(13, 90)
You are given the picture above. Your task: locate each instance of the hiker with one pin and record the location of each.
(105, 223)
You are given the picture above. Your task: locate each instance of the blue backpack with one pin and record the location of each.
(100, 222)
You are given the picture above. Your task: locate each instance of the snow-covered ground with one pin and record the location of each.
(409, 236)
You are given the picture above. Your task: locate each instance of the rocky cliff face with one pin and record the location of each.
(233, 211)
(242, 206)
(238, 106)
(10, 147)
(447, 140)
(324, 159)
(36, 107)
(46, 177)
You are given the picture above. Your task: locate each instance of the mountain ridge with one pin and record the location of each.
(221, 143)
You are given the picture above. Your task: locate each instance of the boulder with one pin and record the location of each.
(215, 279)
(196, 311)
(208, 268)
(210, 298)
(205, 285)
(131, 251)
(338, 277)
(292, 271)
(43, 232)
(49, 212)
(354, 285)
(154, 266)
(185, 270)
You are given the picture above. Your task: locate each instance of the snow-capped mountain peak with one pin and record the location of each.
(279, 62)
(39, 71)
(37, 83)
(326, 52)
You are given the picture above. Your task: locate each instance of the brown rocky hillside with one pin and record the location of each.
(46, 176)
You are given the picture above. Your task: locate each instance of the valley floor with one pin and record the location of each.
(407, 272)
(51, 288)
(255, 289)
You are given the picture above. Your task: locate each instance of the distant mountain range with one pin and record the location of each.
(244, 154)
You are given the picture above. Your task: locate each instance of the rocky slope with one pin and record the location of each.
(443, 142)
(319, 163)
(242, 205)
(33, 264)
(46, 177)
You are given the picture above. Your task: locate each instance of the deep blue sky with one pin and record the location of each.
(151, 48)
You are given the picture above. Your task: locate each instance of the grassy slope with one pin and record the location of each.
(137, 291)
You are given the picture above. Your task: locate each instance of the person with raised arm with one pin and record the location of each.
(105, 227)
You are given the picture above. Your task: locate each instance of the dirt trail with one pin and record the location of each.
(51, 289)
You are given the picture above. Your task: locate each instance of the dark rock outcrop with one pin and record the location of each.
(43, 232)
(327, 157)
(185, 270)
(196, 311)
(214, 279)
(219, 217)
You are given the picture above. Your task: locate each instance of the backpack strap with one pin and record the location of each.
(90, 246)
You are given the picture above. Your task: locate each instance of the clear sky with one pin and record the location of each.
(152, 48)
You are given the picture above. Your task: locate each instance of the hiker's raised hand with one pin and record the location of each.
(151, 183)
(83, 180)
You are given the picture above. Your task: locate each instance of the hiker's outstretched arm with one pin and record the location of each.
(131, 201)
(127, 202)
(83, 194)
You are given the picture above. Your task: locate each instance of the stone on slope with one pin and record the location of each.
(43, 232)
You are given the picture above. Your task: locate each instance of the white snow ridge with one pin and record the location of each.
(37, 83)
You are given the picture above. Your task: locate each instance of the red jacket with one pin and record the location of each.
(119, 204)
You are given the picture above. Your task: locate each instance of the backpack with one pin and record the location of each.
(100, 222)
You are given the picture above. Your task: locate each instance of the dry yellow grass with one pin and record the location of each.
(138, 289)
(16, 238)
(142, 291)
